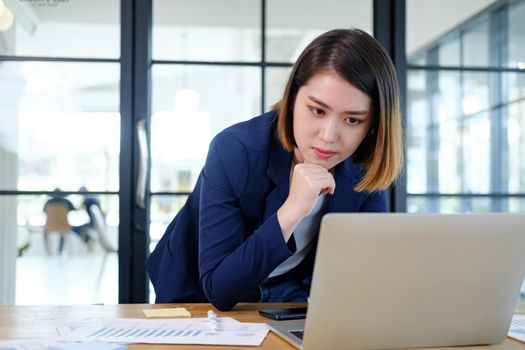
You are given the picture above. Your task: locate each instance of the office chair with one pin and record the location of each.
(56, 222)
(100, 228)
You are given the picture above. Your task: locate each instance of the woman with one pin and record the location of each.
(333, 143)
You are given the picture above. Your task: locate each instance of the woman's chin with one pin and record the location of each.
(324, 163)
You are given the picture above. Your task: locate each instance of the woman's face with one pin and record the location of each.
(331, 118)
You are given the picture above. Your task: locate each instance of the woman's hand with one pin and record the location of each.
(308, 182)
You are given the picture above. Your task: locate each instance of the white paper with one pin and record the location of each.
(227, 331)
(517, 328)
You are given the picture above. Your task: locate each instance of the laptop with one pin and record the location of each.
(391, 281)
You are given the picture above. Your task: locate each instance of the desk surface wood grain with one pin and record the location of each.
(39, 322)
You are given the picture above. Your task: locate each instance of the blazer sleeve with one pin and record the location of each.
(232, 262)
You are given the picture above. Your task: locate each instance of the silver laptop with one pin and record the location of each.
(387, 281)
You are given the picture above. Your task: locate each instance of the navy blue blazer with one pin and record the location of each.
(226, 240)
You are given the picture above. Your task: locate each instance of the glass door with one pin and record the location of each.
(59, 152)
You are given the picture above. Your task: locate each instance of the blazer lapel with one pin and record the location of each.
(278, 172)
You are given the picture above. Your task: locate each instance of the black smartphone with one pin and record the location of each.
(284, 314)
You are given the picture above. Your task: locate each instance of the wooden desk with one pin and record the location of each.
(39, 322)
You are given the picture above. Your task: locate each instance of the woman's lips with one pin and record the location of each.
(323, 153)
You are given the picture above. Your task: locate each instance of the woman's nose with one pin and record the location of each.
(329, 131)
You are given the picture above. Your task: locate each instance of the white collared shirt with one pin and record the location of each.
(304, 235)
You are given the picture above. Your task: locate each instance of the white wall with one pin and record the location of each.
(10, 90)
(8, 231)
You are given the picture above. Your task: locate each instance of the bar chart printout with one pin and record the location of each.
(172, 331)
(517, 328)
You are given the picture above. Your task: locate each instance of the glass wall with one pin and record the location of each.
(59, 141)
(465, 109)
(465, 135)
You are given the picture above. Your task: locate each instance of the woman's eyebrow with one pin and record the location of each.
(324, 105)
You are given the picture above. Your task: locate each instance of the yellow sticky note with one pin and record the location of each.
(170, 312)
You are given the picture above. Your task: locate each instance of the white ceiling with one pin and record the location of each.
(428, 20)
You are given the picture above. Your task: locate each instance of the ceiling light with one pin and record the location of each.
(2, 7)
(521, 65)
(6, 19)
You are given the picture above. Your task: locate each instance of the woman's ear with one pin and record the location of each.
(371, 132)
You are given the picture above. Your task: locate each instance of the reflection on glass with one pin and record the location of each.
(449, 51)
(416, 204)
(276, 79)
(292, 24)
(60, 126)
(516, 32)
(450, 162)
(86, 271)
(448, 98)
(476, 154)
(516, 147)
(227, 30)
(418, 124)
(476, 92)
(433, 204)
(476, 44)
(482, 204)
(417, 59)
(448, 152)
(191, 104)
(517, 205)
(434, 141)
(449, 205)
(69, 28)
(516, 86)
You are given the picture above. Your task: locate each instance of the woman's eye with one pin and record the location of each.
(352, 121)
(317, 111)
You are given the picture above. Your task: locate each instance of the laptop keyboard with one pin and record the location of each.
(298, 334)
